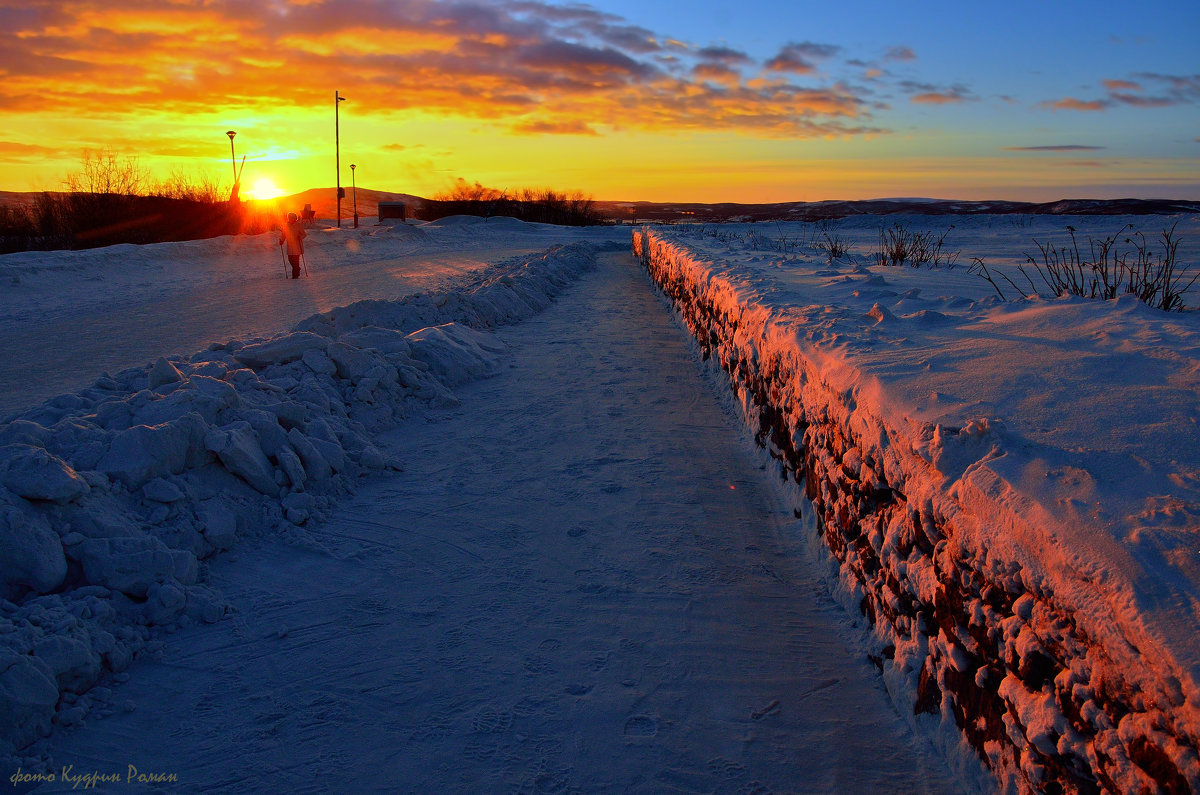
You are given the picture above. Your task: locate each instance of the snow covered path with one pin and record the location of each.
(581, 582)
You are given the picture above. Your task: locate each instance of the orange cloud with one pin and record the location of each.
(937, 98)
(545, 67)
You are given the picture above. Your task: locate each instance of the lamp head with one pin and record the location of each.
(231, 133)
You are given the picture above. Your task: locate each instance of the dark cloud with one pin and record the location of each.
(930, 94)
(539, 127)
(900, 53)
(1169, 90)
(1071, 103)
(800, 57)
(579, 59)
(1053, 148)
(723, 55)
(1140, 101)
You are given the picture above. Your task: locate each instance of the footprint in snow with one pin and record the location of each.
(492, 720)
(726, 768)
(641, 726)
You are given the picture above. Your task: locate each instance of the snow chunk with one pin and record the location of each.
(27, 699)
(880, 313)
(31, 555)
(239, 450)
(455, 353)
(281, 350)
(144, 452)
(73, 664)
(35, 474)
(159, 490)
(315, 464)
(163, 372)
(218, 523)
(131, 564)
(386, 341)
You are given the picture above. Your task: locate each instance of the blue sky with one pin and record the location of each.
(1010, 62)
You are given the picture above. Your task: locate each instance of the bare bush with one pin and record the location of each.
(203, 188)
(1158, 279)
(536, 205)
(112, 200)
(980, 268)
(899, 246)
(834, 246)
(105, 172)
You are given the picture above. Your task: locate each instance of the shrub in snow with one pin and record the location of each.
(1106, 272)
(898, 245)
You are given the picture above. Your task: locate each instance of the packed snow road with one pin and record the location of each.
(581, 582)
(66, 316)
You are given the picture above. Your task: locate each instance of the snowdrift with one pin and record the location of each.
(111, 499)
(1032, 591)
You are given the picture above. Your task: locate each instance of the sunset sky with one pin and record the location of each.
(664, 100)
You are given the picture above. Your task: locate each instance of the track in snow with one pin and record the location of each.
(580, 583)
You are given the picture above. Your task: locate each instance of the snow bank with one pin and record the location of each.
(1030, 605)
(112, 498)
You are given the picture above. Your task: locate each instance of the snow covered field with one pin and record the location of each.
(336, 550)
(1011, 490)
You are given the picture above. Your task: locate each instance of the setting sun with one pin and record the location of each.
(265, 190)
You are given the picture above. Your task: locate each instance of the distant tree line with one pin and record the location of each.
(536, 205)
(112, 200)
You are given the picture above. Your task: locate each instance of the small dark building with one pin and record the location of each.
(392, 210)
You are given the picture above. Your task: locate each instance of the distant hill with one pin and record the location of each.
(661, 212)
(324, 202)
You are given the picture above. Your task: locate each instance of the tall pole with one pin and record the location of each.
(233, 196)
(354, 194)
(337, 154)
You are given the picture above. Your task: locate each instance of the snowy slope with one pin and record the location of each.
(1011, 490)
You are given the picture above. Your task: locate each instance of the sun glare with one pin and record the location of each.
(265, 190)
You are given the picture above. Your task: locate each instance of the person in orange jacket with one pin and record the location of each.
(292, 235)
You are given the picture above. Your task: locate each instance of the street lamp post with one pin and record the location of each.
(354, 194)
(233, 196)
(338, 99)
